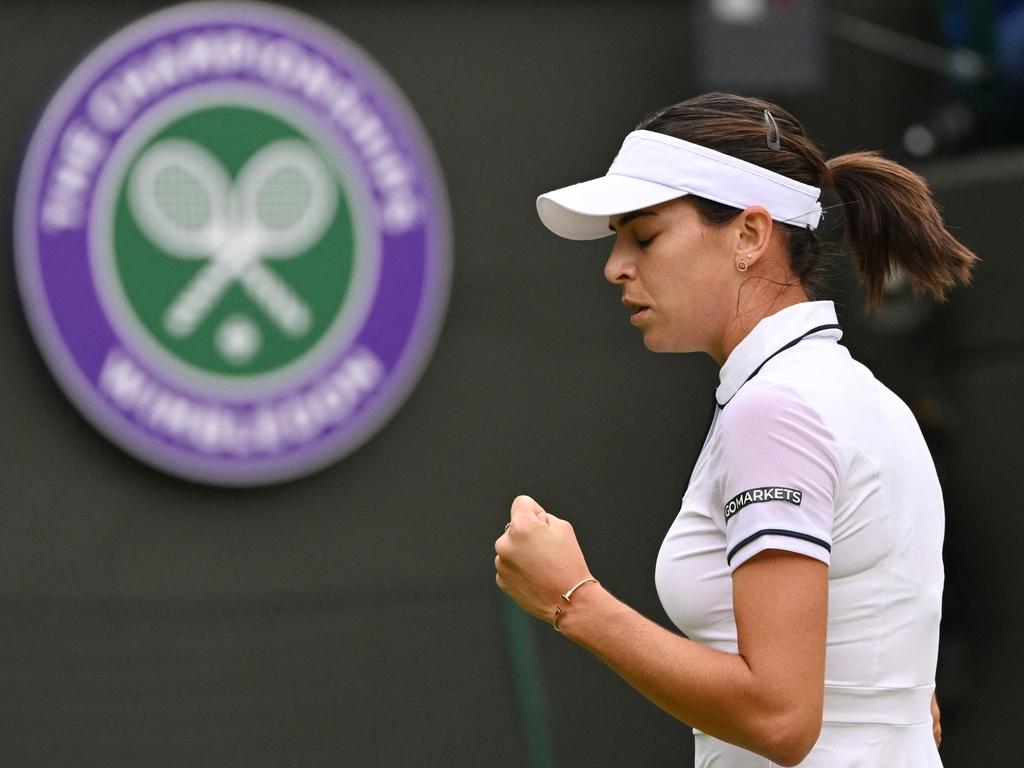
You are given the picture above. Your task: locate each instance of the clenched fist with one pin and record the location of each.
(538, 558)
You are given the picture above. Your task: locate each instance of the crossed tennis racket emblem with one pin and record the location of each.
(278, 206)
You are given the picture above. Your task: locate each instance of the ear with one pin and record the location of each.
(753, 233)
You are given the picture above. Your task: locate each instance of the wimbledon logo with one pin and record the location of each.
(232, 242)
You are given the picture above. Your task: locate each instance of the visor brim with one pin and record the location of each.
(581, 211)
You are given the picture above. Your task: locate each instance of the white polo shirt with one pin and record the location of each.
(807, 452)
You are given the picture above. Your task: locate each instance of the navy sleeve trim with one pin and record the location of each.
(775, 532)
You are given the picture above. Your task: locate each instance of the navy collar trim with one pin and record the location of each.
(783, 348)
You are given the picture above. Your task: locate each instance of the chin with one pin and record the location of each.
(654, 344)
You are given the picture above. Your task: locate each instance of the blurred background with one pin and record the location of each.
(350, 617)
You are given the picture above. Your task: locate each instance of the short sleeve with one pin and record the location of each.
(779, 474)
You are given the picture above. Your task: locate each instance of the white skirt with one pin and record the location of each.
(841, 745)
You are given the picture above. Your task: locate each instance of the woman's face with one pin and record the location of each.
(677, 275)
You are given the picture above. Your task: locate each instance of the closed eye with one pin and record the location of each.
(644, 243)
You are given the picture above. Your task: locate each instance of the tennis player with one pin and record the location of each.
(804, 566)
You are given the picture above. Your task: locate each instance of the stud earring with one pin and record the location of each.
(742, 265)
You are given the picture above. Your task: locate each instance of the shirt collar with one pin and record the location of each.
(772, 335)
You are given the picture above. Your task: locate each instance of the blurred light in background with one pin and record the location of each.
(762, 44)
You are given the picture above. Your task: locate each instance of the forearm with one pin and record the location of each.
(722, 694)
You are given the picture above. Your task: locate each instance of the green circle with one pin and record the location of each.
(153, 278)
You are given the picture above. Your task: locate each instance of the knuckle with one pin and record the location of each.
(525, 504)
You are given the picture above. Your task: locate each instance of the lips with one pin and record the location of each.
(638, 311)
(634, 306)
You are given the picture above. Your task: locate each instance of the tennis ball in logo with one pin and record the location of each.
(233, 240)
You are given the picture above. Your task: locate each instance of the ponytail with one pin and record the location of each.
(893, 224)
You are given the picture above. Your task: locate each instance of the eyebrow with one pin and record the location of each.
(628, 217)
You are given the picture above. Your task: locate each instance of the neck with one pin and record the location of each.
(753, 304)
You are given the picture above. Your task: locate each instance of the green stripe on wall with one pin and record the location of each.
(529, 686)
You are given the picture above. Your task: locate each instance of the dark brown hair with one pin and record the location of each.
(892, 222)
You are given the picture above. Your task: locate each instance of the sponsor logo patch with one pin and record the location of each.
(757, 495)
(232, 240)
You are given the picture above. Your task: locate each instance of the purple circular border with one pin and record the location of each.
(66, 348)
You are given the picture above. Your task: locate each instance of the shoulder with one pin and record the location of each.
(770, 421)
(817, 380)
(764, 402)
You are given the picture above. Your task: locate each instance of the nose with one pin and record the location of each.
(620, 267)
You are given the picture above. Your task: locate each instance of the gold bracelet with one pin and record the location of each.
(554, 621)
(567, 596)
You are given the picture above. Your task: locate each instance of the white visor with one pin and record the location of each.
(653, 168)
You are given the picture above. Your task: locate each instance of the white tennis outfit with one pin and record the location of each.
(807, 452)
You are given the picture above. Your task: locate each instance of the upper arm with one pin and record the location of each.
(780, 601)
(780, 475)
